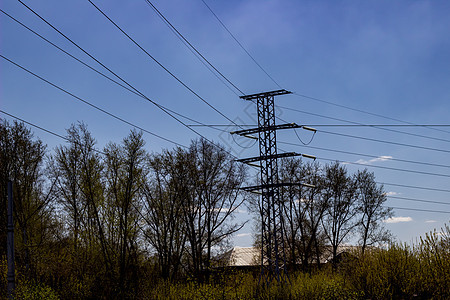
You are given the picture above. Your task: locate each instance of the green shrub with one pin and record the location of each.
(434, 254)
(30, 290)
(385, 274)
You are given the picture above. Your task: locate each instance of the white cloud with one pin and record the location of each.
(243, 234)
(370, 161)
(398, 220)
(225, 210)
(392, 193)
(431, 221)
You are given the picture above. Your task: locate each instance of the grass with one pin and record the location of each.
(421, 271)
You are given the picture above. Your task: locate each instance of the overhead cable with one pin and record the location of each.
(384, 142)
(101, 152)
(45, 130)
(167, 22)
(366, 125)
(309, 97)
(360, 110)
(90, 104)
(34, 125)
(415, 187)
(419, 200)
(103, 74)
(128, 84)
(159, 64)
(386, 168)
(240, 45)
(366, 155)
(421, 210)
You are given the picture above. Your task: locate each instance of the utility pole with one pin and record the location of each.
(271, 207)
(10, 245)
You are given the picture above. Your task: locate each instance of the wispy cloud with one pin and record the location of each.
(225, 210)
(370, 161)
(430, 221)
(243, 234)
(392, 193)
(398, 220)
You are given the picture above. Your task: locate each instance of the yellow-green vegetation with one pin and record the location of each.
(127, 224)
(322, 285)
(422, 270)
(397, 272)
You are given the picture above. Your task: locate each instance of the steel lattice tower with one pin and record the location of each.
(273, 258)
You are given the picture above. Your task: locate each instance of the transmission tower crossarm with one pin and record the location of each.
(245, 132)
(265, 157)
(265, 94)
(274, 185)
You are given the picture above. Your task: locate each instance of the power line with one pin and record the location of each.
(426, 148)
(46, 130)
(379, 141)
(386, 168)
(373, 156)
(167, 22)
(159, 64)
(360, 111)
(383, 183)
(422, 210)
(63, 90)
(101, 152)
(366, 125)
(367, 155)
(378, 125)
(201, 60)
(240, 45)
(90, 104)
(419, 200)
(340, 125)
(36, 126)
(384, 142)
(314, 98)
(415, 187)
(100, 73)
(124, 81)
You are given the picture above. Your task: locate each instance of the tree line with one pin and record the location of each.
(104, 223)
(329, 208)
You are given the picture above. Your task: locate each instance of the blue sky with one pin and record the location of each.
(390, 58)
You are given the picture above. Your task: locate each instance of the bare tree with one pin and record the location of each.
(22, 159)
(340, 193)
(208, 211)
(64, 167)
(304, 209)
(371, 200)
(315, 205)
(290, 170)
(125, 174)
(92, 191)
(163, 209)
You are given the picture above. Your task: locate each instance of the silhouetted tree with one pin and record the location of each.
(125, 174)
(340, 194)
(166, 187)
(21, 162)
(208, 211)
(371, 200)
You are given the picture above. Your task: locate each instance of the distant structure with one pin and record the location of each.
(273, 257)
(249, 257)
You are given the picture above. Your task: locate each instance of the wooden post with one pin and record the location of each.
(10, 245)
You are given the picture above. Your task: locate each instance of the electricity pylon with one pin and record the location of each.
(271, 207)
